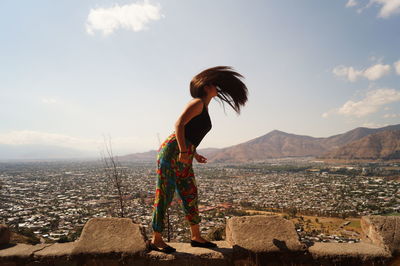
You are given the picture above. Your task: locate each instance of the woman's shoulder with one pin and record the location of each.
(196, 102)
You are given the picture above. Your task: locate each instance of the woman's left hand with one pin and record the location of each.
(199, 158)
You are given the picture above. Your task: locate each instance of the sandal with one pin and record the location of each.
(167, 249)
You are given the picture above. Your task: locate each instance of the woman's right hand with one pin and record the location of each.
(183, 158)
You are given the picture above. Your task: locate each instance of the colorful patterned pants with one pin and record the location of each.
(174, 175)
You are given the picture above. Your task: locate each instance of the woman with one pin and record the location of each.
(176, 153)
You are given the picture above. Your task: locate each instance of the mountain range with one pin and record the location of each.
(359, 143)
(382, 145)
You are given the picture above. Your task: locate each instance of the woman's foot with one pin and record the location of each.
(199, 239)
(201, 242)
(161, 246)
(158, 243)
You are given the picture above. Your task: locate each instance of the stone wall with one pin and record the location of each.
(250, 240)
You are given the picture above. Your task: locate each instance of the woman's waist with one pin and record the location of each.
(173, 138)
(169, 149)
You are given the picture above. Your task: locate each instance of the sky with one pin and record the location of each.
(76, 73)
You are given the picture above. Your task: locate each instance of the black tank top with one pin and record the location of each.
(197, 127)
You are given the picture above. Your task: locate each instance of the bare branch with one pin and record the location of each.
(114, 172)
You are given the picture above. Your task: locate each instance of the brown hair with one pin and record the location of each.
(230, 88)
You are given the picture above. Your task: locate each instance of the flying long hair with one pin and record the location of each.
(229, 86)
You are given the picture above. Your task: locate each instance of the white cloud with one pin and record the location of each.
(329, 113)
(347, 72)
(351, 3)
(371, 103)
(397, 67)
(376, 72)
(372, 73)
(391, 115)
(388, 7)
(49, 100)
(374, 125)
(133, 17)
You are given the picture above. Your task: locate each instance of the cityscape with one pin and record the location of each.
(52, 201)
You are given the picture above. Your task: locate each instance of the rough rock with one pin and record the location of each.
(349, 252)
(56, 254)
(187, 255)
(5, 234)
(20, 251)
(262, 233)
(383, 231)
(111, 235)
(56, 250)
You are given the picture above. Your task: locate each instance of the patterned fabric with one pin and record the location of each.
(174, 175)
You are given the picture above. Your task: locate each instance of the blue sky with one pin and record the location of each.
(74, 71)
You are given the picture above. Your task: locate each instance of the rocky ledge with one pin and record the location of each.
(250, 240)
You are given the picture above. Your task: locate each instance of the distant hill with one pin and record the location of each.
(339, 140)
(278, 144)
(275, 144)
(152, 155)
(139, 157)
(382, 145)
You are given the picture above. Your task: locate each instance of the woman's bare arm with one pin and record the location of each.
(192, 109)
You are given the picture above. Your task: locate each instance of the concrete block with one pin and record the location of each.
(187, 255)
(262, 233)
(20, 251)
(111, 235)
(349, 253)
(56, 250)
(383, 231)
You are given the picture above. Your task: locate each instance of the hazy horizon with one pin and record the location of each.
(31, 153)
